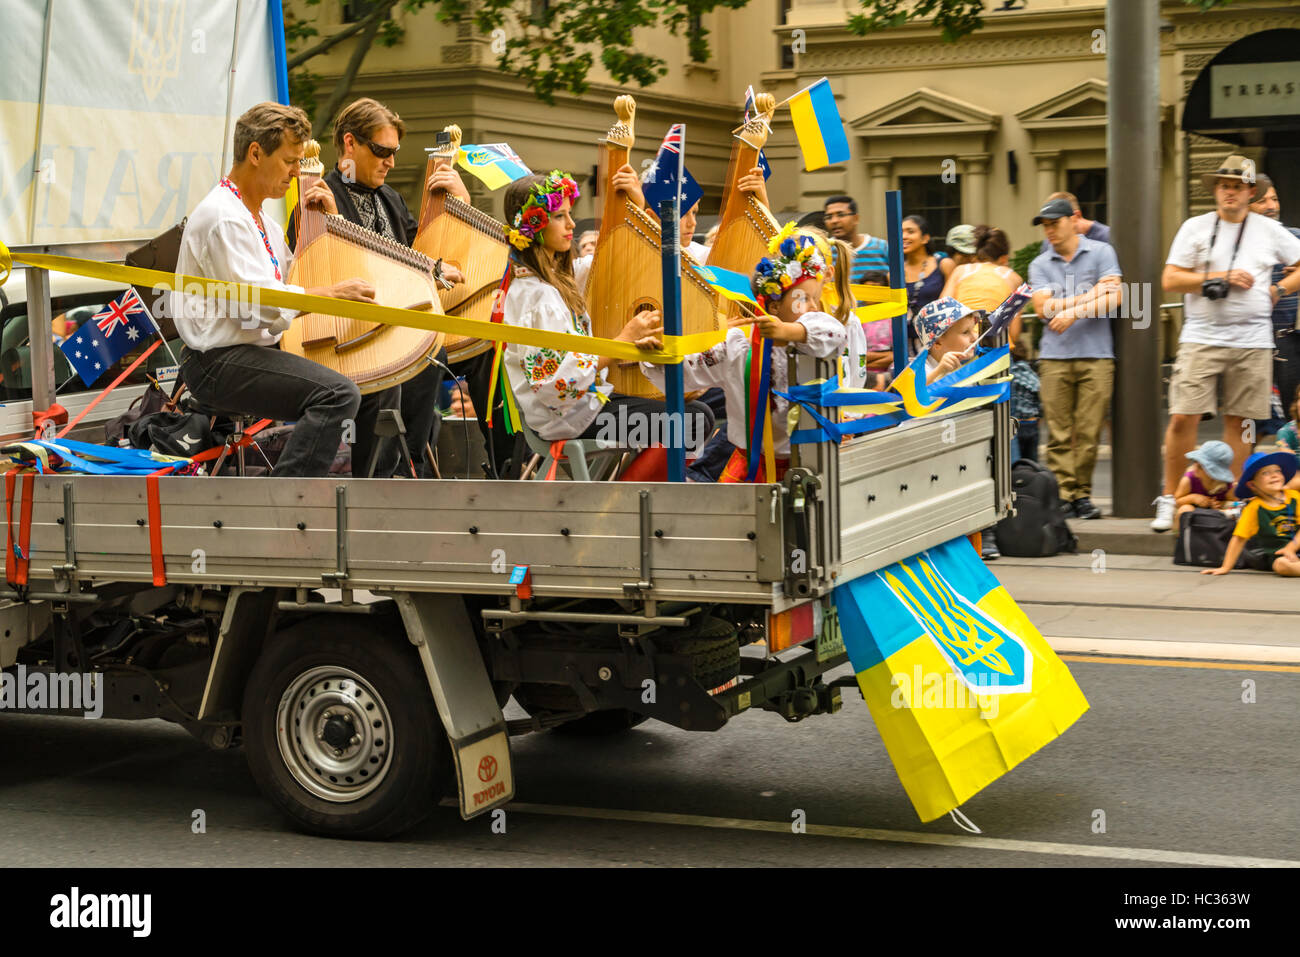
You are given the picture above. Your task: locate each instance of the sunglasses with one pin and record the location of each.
(381, 152)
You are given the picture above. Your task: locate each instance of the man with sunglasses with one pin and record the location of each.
(367, 136)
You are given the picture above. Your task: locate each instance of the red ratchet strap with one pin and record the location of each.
(155, 530)
(246, 441)
(18, 555)
(111, 386)
(556, 453)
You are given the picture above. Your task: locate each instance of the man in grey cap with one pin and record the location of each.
(1222, 263)
(1077, 289)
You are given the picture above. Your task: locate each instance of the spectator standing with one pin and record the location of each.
(924, 273)
(1222, 263)
(1090, 228)
(961, 240)
(587, 242)
(1077, 288)
(984, 283)
(1286, 341)
(870, 254)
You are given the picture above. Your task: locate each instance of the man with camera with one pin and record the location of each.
(1222, 263)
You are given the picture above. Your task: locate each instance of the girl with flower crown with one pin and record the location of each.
(788, 284)
(561, 394)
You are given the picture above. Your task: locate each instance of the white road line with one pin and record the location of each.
(1146, 854)
(1198, 650)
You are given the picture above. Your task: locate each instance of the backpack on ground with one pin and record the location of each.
(1038, 528)
(1203, 536)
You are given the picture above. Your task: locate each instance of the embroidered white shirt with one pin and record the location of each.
(556, 391)
(724, 365)
(221, 241)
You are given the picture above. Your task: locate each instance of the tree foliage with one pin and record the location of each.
(552, 45)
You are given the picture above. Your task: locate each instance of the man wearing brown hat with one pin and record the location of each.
(1222, 263)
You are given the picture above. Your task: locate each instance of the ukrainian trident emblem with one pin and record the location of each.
(156, 28)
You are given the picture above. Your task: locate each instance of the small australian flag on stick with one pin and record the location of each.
(122, 326)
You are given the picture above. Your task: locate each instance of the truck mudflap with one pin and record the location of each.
(440, 629)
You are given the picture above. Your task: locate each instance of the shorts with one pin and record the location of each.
(1247, 376)
(1259, 557)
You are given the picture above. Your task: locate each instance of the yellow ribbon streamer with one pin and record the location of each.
(674, 350)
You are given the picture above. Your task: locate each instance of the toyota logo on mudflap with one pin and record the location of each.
(487, 769)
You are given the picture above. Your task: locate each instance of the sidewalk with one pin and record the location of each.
(1148, 607)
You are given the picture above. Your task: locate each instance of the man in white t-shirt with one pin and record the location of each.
(1222, 263)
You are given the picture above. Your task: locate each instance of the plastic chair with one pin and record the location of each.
(582, 455)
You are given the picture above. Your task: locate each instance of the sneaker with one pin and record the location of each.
(1164, 519)
(1083, 508)
(989, 548)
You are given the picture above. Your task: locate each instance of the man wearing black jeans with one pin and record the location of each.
(230, 362)
(367, 136)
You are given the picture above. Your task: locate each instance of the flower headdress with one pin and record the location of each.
(543, 199)
(793, 255)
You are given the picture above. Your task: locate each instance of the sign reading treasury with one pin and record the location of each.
(1255, 89)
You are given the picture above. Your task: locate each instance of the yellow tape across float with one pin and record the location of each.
(886, 303)
(675, 349)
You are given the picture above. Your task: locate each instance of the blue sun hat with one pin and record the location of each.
(1216, 458)
(1284, 460)
(936, 318)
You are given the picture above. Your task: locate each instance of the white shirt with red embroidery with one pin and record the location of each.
(221, 241)
(724, 365)
(558, 393)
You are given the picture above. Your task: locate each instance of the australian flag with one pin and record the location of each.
(660, 179)
(122, 326)
(750, 110)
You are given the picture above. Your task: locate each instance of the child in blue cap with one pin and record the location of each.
(1208, 483)
(947, 329)
(1267, 529)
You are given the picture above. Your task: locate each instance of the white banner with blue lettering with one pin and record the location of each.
(113, 113)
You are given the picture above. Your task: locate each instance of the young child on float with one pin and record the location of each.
(1208, 483)
(788, 285)
(564, 395)
(947, 331)
(1267, 531)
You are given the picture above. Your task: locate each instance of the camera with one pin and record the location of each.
(1215, 289)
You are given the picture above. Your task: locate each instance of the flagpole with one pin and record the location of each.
(894, 228)
(797, 92)
(674, 386)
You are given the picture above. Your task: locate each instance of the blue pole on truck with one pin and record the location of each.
(894, 230)
(275, 11)
(674, 388)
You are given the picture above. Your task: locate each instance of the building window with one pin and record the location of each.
(939, 203)
(695, 38)
(356, 10)
(1089, 185)
(785, 50)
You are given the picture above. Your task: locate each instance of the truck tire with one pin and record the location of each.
(341, 730)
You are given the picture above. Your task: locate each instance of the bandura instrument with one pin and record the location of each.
(467, 238)
(330, 249)
(627, 271)
(746, 225)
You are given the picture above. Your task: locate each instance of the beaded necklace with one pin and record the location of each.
(265, 242)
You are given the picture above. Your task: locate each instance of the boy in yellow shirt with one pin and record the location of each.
(1267, 529)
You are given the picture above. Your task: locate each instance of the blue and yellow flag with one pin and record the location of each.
(734, 285)
(818, 127)
(495, 164)
(959, 681)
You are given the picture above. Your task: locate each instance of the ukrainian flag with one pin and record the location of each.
(734, 285)
(818, 126)
(960, 683)
(496, 164)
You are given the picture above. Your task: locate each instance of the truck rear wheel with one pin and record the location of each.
(341, 730)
